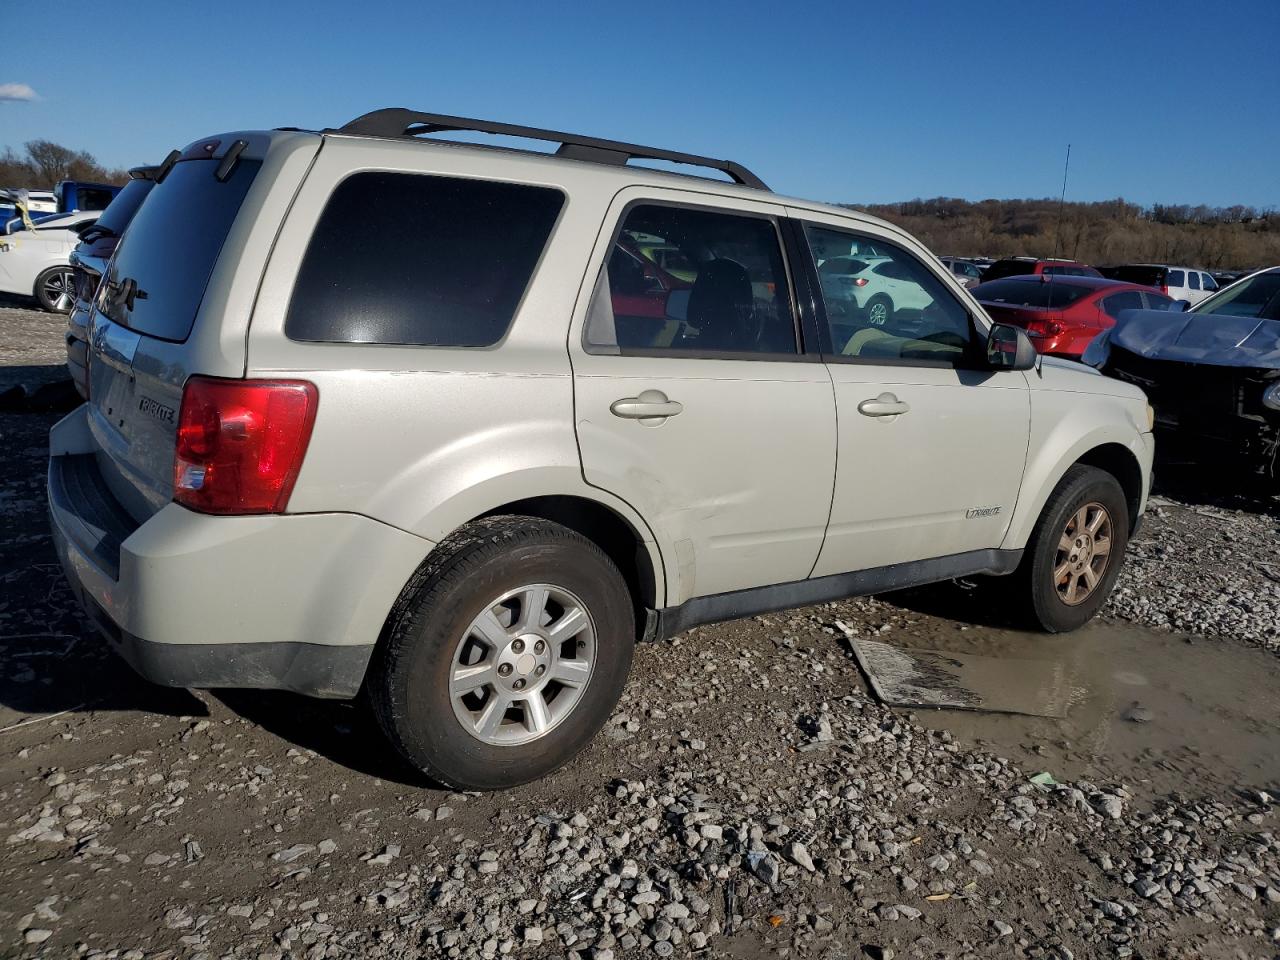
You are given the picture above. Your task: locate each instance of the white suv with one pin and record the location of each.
(373, 412)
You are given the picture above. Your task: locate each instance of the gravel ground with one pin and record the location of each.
(748, 799)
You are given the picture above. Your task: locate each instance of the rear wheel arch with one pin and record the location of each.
(636, 559)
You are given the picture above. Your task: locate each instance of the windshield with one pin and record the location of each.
(1257, 297)
(1030, 293)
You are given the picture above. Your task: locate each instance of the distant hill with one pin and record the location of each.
(1112, 231)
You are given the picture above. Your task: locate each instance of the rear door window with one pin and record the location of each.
(685, 281)
(1193, 279)
(404, 258)
(171, 248)
(1126, 300)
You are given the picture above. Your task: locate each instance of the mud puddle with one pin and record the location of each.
(1150, 709)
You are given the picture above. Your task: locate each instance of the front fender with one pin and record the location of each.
(1066, 428)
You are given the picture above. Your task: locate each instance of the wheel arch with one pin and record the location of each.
(1119, 461)
(1129, 462)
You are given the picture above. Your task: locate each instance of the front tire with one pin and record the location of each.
(506, 654)
(55, 290)
(1076, 550)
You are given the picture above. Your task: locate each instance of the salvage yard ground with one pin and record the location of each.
(749, 798)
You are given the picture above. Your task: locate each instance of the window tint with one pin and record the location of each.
(403, 258)
(1175, 279)
(172, 246)
(1009, 268)
(117, 216)
(1030, 292)
(1128, 300)
(1147, 276)
(92, 198)
(683, 280)
(894, 308)
(1193, 279)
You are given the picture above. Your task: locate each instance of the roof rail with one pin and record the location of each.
(400, 122)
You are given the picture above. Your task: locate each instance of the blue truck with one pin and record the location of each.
(66, 197)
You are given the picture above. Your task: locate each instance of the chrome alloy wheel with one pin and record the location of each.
(58, 290)
(1084, 550)
(522, 665)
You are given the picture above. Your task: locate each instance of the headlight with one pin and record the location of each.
(1151, 418)
(1271, 396)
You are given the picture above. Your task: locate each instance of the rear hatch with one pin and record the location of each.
(162, 309)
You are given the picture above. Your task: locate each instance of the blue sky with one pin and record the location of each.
(1172, 102)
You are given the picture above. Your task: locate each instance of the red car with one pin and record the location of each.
(1062, 314)
(1030, 266)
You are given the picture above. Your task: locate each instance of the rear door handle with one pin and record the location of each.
(651, 408)
(885, 405)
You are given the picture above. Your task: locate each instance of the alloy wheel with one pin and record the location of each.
(1084, 550)
(522, 665)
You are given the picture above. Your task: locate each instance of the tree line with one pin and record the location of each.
(43, 163)
(1106, 232)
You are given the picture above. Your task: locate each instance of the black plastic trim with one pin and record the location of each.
(401, 122)
(83, 508)
(314, 669)
(801, 593)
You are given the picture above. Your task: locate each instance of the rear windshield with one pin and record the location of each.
(1145, 276)
(404, 258)
(173, 243)
(1009, 268)
(117, 216)
(1030, 293)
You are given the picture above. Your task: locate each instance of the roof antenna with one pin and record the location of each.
(1057, 233)
(1057, 237)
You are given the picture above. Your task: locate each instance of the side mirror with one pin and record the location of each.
(1009, 348)
(1180, 306)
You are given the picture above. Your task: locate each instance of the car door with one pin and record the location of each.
(931, 445)
(710, 421)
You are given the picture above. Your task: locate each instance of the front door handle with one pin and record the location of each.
(885, 405)
(651, 408)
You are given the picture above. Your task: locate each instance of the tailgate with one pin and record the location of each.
(166, 308)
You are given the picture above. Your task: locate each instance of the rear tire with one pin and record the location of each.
(55, 290)
(485, 678)
(1076, 550)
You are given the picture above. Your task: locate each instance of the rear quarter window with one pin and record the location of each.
(413, 259)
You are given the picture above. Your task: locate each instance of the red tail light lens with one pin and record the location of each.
(1043, 328)
(241, 443)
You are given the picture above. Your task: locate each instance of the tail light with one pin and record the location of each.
(857, 281)
(240, 443)
(1164, 288)
(1043, 329)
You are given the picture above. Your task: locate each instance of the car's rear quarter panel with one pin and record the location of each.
(427, 438)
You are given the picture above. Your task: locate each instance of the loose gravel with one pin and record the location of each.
(749, 798)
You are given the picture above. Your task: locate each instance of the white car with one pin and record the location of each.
(1180, 283)
(35, 263)
(880, 287)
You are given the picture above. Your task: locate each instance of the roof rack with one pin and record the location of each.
(400, 122)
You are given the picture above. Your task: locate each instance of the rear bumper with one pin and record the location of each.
(269, 602)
